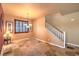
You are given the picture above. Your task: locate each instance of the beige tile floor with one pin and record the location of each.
(33, 47)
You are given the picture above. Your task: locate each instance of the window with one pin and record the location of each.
(21, 26)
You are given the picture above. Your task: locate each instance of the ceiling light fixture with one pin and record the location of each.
(72, 19)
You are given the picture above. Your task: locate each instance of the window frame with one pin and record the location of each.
(19, 25)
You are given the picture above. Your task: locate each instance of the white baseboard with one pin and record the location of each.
(49, 43)
(73, 44)
(57, 45)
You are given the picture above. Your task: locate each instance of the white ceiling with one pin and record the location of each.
(33, 11)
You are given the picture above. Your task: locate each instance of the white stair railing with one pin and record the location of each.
(58, 33)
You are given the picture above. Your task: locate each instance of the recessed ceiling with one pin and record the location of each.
(33, 11)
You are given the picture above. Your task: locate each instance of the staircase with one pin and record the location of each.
(61, 35)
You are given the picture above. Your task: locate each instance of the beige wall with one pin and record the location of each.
(66, 23)
(17, 35)
(39, 30)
